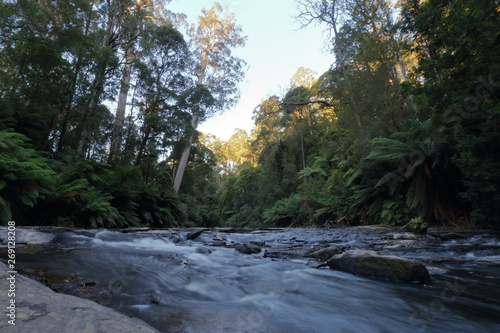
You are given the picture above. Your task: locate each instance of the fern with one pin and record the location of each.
(284, 212)
(421, 172)
(25, 176)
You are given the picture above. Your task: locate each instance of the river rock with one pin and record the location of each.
(327, 253)
(135, 229)
(174, 238)
(39, 309)
(445, 236)
(247, 248)
(194, 234)
(404, 236)
(28, 236)
(376, 265)
(202, 250)
(490, 260)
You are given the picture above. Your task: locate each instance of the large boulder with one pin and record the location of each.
(376, 265)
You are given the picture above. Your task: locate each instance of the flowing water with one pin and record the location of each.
(200, 286)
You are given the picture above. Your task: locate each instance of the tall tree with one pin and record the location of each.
(113, 12)
(459, 51)
(137, 15)
(369, 61)
(163, 56)
(303, 77)
(215, 69)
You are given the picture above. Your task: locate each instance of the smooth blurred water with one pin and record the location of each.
(183, 288)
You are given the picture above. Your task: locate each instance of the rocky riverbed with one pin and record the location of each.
(272, 280)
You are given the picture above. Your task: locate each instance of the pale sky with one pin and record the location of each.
(275, 49)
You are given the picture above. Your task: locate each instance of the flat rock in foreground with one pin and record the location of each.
(375, 265)
(39, 309)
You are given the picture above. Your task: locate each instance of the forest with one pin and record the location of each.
(100, 102)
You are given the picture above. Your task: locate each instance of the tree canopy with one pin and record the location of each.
(100, 103)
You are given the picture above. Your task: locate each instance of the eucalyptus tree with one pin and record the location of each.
(333, 14)
(303, 77)
(51, 52)
(369, 61)
(137, 15)
(83, 43)
(215, 70)
(163, 55)
(268, 126)
(297, 110)
(111, 14)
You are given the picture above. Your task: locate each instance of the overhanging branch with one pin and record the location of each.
(325, 103)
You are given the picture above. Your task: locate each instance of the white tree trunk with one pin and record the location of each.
(116, 138)
(185, 156)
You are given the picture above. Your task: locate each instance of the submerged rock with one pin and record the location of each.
(175, 238)
(202, 250)
(247, 248)
(376, 265)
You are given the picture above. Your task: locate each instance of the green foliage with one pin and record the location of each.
(459, 63)
(393, 213)
(241, 197)
(95, 210)
(285, 212)
(417, 225)
(25, 176)
(417, 169)
(403, 126)
(295, 98)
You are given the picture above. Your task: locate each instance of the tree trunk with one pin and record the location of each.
(96, 91)
(69, 103)
(302, 147)
(117, 134)
(115, 10)
(185, 156)
(72, 91)
(194, 124)
(343, 69)
(142, 147)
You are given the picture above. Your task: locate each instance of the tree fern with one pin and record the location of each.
(25, 176)
(420, 171)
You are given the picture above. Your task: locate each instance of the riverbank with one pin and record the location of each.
(28, 306)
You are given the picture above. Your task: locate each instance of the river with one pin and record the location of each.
(205, 285)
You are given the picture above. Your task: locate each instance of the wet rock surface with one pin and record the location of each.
(325, 254)
(375, 265)
(246, 280)
(39, 309)
(31, 236)
(248, 248)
